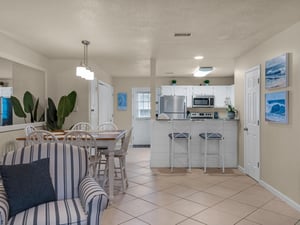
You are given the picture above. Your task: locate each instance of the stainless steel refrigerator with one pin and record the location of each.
(173, 106)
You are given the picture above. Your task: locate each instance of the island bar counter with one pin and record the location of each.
(160, 150)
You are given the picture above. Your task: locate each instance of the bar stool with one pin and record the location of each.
(214, 132)
(180, 131)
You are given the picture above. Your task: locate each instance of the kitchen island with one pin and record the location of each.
(160, 143)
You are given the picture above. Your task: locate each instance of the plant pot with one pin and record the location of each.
(230, 115)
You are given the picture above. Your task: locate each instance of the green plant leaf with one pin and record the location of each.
(36, 106)
(63, 110)
(17, 107)
(28, 102)
(51, 115)
(72, 98)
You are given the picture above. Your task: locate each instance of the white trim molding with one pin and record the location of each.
(241, 169)
(280, 195)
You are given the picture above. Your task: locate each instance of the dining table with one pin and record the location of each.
(103, 138)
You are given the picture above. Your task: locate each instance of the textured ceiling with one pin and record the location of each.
(125, 34)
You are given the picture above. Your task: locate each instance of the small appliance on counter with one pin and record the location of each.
(202, 115)
(203, 101)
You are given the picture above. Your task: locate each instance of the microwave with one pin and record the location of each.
(204, 101)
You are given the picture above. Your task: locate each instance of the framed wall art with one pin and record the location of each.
(122, 101)
(276, 107)
(277, 72)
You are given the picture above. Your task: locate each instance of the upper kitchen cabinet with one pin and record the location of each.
(223, 93)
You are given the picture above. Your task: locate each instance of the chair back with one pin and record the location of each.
(107, 126)
(214, 130)
(29, 129)
(125, 143)
(180, 129)
(80, 138)
(68, 164)
(40, 136)
(84, 126)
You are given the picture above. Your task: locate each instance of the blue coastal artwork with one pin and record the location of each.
(122, 101)
(277, 107)
(277, 72)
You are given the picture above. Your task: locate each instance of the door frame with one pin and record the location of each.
(257, 67)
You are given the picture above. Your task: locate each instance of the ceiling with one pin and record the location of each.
(125, 34)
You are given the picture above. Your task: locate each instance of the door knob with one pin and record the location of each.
(246, 129)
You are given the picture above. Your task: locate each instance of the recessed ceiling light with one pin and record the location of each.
(199, 57)
(182, 34)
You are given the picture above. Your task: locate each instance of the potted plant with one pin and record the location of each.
(56, 116)
(31, 106)
(231, 111)
(206, 82)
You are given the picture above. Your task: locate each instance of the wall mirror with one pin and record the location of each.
(16, 79)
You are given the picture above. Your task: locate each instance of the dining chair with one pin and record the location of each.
(107, 126)
(40, 136)
(120, 168)
(180, 130)
(85, 140)
(211, 135)
(84, 126)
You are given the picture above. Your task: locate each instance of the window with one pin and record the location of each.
(143, 105)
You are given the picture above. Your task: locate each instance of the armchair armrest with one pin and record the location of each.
(4, 207)
(93, 199)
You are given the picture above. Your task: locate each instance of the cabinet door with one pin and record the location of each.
(202, 90)
(220, 93)
(167, 90)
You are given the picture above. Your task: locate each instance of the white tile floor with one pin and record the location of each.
(158, 197)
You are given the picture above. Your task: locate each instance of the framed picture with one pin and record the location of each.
(122, 101)
(276, 109)
(277, 72)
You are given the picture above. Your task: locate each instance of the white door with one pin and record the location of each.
(252, 123)
(141, 116)
(101, 102)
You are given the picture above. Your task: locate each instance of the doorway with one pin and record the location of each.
(252, 123)
(101, 102)
(141, 117)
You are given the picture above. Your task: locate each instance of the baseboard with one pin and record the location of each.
(283, 197)
(141, 146)
(242, 169)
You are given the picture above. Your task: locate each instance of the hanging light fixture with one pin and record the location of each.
(83, 70)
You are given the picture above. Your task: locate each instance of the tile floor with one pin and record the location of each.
(158, 197)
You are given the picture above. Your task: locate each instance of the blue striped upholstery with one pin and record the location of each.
(80, 199)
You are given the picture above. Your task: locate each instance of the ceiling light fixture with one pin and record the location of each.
(83, 70)
(198, 57)
(202, 71)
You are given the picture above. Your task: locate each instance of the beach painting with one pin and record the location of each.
(276, 107)
(122, 101)
(277, 72)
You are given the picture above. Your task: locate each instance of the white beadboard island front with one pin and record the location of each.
(160, 150)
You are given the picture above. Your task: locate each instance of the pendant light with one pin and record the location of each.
(83, 70)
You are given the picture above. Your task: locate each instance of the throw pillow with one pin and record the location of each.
(27, 185)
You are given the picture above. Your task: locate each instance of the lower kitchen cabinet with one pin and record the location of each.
(160, 144)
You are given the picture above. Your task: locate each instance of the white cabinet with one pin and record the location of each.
(222, 93)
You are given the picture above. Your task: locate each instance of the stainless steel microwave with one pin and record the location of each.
(203, 101)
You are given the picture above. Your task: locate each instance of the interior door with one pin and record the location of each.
(101, 103)
(105, 102)
(252, 123)
(141, 117)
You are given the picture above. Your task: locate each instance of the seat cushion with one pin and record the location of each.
(179, 135)
(27, 185)
(211, 136)
(59, 212)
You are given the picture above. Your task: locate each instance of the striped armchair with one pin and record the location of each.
(80, 200)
